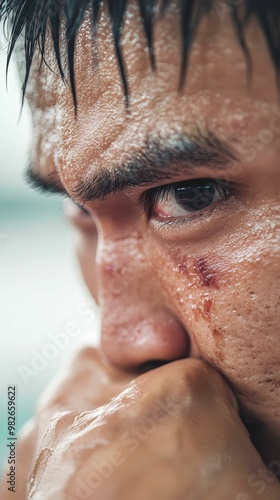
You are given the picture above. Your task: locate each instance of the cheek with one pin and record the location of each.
(229, 305)
(197, 283)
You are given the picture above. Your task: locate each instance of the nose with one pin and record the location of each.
(138, 327)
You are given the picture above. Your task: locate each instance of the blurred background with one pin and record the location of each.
(45, 309)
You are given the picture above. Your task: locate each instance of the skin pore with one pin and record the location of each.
(172, 283)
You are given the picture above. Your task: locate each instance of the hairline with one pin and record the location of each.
(50, 16)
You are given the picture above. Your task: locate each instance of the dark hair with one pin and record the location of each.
(32, 17)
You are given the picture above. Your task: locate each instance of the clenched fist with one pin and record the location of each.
(173, 433)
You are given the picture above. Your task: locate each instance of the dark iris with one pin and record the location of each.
(192, 195)
(196, 195)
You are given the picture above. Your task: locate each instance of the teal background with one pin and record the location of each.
(40, 286)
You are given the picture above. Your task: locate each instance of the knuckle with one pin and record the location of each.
(188, 382)
(56, 428)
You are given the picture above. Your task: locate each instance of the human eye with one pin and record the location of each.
(186, 199)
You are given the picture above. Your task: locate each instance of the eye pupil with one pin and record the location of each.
(185, 198)
(195, 197)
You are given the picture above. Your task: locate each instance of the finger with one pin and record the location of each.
(191, 379)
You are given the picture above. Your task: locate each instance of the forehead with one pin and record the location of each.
(216, 93)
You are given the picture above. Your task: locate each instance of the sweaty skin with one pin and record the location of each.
(171, 433)
(204, 288)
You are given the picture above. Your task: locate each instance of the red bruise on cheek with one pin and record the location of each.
(202, 310)
(202, 304)
(217, 333)
(207, 307)
(208, 277)
(218, 336)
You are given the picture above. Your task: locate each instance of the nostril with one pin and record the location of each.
(140, 340)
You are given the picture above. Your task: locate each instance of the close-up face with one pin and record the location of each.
(179, 235)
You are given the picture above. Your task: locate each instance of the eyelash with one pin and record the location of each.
(157, 194)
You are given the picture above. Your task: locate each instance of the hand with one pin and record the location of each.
(173, 433)
(85, 384)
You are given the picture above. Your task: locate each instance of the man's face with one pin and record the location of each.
(192, 270)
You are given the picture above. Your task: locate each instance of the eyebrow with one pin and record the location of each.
(159, 160)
